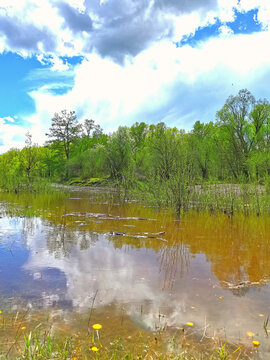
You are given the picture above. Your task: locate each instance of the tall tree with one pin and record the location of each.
(163, 148)
(241, 120)
(29, 156)
(65, 129)
(202, 147)
(88, 125)
(119, 154)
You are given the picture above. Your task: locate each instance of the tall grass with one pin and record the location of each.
(182, 195)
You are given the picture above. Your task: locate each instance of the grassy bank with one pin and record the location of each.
(38, 336)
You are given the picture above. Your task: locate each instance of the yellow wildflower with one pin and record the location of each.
(94, 348)
(220, 297)
(190, 323)
(261, 315)
(23, 327)
(97, 326)
(0, 312)
(250, 333)
(255, 343)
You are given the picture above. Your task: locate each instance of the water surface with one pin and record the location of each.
(139, 263)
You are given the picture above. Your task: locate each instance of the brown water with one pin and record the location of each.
(138, 264)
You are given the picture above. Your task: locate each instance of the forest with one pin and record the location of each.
(155, 159)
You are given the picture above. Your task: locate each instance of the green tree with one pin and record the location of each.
(242, 121)
(64, 130)
(163, 146)
(119, 155)
(29, 157)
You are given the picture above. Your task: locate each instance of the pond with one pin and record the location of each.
(132, 263)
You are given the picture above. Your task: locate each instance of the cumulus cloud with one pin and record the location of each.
(7, 118)
(25, 37)
(132, 71)
(114, 28)
(186, 85)
(74, 19)
(11, 135)
(225, 30)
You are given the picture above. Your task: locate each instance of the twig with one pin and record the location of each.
(17, 332)
(91, 310)
(204, 332)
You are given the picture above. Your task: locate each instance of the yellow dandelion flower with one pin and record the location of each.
(261, 315)
(255, 343)
(220, 297)
(97, 326)
(74, 358)
(23, 327)
(94, 348)
(190, 323)
(250, 333)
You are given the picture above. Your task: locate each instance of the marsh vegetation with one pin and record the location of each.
(163, 166)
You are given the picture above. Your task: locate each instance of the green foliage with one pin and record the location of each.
(163, 164)
(244, 135)
(64, 130)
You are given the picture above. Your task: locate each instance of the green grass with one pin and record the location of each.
(227, 198)
(25, 336)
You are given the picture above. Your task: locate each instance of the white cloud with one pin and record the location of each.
(263, 7)
(11, 135)
(58, 64)
(131, 69)
(8, 118)
(115, 28)
(164, 82)
(225, 30)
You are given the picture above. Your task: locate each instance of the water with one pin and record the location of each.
(139, 264)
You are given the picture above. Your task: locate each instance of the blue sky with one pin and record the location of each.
(243, 23)
(121, 61)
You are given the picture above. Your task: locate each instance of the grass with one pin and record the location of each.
(227, 198)
(37, 336)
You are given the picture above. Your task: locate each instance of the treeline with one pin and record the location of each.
(233, 149)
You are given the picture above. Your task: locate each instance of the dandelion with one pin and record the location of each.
(261, 315)
(250, 333)
(190, 323)
(23, 327)
(94, 348)
(220, 297)
(97, 326)
(255, 343)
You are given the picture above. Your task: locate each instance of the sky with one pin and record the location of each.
(122, 61)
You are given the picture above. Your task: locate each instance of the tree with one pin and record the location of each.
(88, 125)
(119, 154)
(242, 121)
(202, 147)
(29, 156)
(64, 130)
(163, 144)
